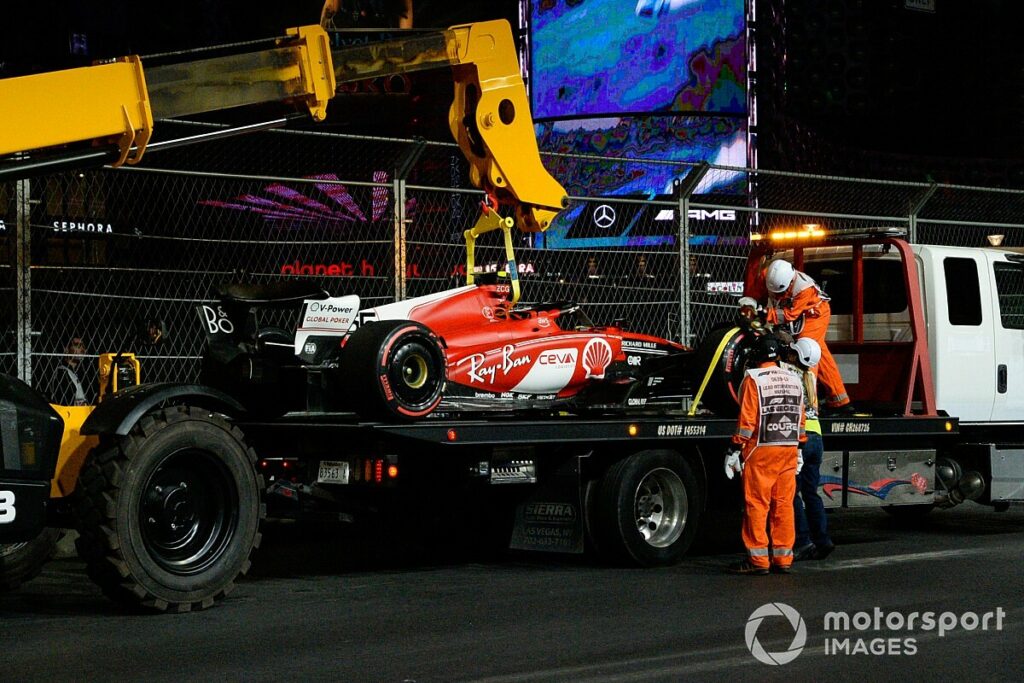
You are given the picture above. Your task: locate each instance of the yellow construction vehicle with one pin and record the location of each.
(173, 507)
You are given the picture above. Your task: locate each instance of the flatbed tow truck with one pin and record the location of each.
(636, 486)
(168, 484)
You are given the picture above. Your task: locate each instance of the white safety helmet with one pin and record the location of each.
(807, 350)
(779, 276)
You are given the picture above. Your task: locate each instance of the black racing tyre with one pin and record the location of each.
(20, 562)
(392, 369)
(646, 509)
(723, 385)
(169, 516)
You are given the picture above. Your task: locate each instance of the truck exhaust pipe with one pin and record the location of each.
(958, 486)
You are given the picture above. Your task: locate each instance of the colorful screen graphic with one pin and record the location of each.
(629, 151)
(608, 57)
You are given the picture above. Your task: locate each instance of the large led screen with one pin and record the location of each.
(623, 157)
(608, 57)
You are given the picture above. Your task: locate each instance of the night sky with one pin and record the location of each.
(881, 76)
(869, 74)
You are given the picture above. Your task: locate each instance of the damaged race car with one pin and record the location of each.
(463, 350)
(468, 349)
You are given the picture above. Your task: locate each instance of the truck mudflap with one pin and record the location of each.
(30, 434)
(551, 519)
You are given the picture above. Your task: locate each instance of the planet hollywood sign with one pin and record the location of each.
(365, 268)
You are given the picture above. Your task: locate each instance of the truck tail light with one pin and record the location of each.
(375, 470)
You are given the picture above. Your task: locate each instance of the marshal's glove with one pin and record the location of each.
(799, 460)
(733, 463)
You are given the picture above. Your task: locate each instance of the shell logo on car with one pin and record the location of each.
(597, 355)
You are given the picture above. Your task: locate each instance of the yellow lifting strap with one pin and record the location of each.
(711, 369)
(490, 220)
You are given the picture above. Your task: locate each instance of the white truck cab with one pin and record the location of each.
(919, 330)
(973, 307)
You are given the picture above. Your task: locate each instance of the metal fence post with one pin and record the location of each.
(915, 209)
(401, 220)
(23, 279)
(684, 190)
(398, 246)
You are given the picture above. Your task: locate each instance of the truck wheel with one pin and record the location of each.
(170, 515)
(392, 369)
(646, 509)
(20, 562)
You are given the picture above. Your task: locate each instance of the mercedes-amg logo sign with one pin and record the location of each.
(604, 216)
(776, 609)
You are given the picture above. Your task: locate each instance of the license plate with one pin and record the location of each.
(333, 472)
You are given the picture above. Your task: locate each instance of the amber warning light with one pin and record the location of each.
(805, 233)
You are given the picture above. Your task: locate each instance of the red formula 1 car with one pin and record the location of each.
(462, 350)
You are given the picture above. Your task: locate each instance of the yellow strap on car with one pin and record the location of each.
(491, 220)
(711, 369)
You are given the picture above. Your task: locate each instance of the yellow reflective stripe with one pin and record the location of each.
(759, 552)
(747, 433)
(813, 426)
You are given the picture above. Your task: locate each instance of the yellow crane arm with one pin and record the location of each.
(117, 102)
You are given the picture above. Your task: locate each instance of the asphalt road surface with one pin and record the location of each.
(320, 606)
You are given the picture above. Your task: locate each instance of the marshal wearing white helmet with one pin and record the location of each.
(780, 276)
(795, 300)
(808, 352)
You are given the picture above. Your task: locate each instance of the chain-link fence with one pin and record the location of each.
(121, 258)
